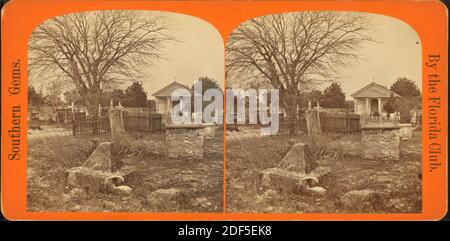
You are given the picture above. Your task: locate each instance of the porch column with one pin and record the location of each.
(169, 105)
(169, 111)
(367, 109)
(181, 104)
(379, 106)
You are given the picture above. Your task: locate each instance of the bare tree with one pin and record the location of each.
(294, 52)
(99, 50)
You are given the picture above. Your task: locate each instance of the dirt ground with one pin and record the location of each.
(49, 155)
(398, 183)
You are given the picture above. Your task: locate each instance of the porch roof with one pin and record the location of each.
(374, 90)
(168, 89)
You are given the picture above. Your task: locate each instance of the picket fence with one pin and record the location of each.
(143, 121)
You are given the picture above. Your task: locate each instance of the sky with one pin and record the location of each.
(199, 53)
(396, 53)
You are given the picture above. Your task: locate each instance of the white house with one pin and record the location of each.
(164, 104)
(370, 99)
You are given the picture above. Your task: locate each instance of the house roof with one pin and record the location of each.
(168, 89)
(374, 90)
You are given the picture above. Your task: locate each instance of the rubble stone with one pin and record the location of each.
(381, 141)
(295, 159)
(405, 131)
(169, 199)
(361, 200)
(317, 191)
(123, 190)
(184, 141)
(101, 171)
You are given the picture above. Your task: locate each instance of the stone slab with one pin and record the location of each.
(284, 181)
(185, 143)
(101, 158)
(382, 144)
(295, 159)
(102, 171)
(97, 181)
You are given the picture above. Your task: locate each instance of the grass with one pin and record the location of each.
(199, 180)
(398, 183)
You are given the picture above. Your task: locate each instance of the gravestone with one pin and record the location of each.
(104, 158)
(381, 141)
(184, 141)
(295, 159)
(313, 122)
(209, 131)
(292, 175)
(117, 125)
(102, 171)
(406, 131)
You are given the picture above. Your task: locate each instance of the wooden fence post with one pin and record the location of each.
(73, 128)
(347, 120)
(319, 129)
(95, 124)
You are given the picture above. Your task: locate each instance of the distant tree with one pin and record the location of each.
(333, 96)
(349, 104)
(208, 83)
(116, 95)
(314, 96)
(52, 100)
(54, 93)
(73, 96)
(390, 106)
(34, 98)
(151, 104)
(404, 105)
(410, 98)
(405, 87)
(135, 96)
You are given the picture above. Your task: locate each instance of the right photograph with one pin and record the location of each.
(323, 114)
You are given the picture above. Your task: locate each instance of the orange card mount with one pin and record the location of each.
(87, 130)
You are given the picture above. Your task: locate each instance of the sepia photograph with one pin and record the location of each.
(212, 116)
(345, 114)
(101, 129)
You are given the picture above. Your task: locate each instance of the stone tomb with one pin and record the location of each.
(406, 131)
(291, 174)
(295, 159)
(381, 141)
(185, 141)
(209, 131)
(102, 172)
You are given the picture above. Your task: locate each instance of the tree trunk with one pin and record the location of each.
(92, 100)
(290, 106)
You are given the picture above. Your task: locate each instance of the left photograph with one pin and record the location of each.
(103, 96)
